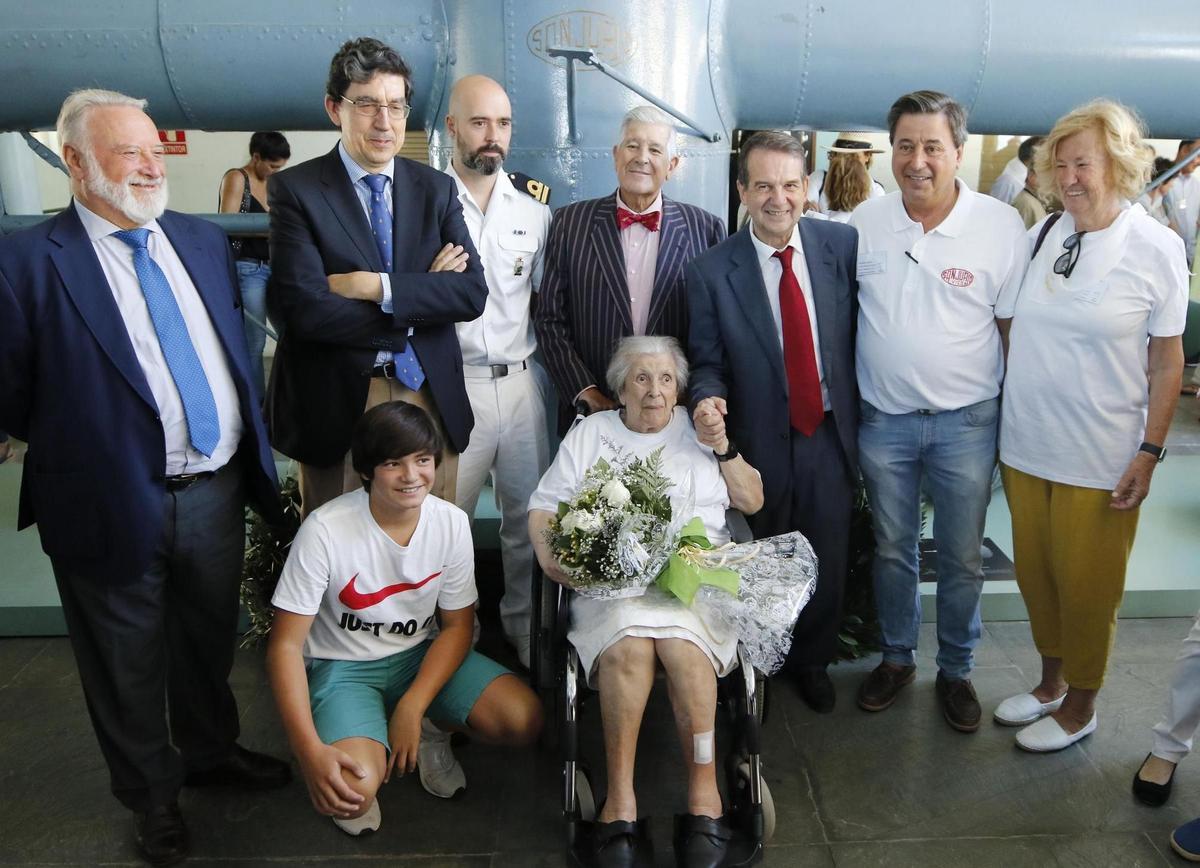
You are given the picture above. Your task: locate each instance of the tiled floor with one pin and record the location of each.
(851, 789)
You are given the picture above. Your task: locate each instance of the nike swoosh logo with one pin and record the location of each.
(354, 599)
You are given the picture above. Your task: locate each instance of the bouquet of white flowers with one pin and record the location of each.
(615, 534)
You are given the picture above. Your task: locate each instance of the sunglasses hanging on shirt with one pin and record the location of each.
(1065, 264)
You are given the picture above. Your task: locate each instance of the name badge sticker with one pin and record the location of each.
(1092, 294)
(872, 263)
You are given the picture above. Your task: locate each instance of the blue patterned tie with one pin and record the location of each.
(204, 428)
(408, 369)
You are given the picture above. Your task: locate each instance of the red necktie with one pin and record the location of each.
(626, 218)
(805, 407)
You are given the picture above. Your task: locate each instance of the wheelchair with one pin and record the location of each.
(741, 702)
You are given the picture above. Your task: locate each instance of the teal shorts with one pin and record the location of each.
(355, 698)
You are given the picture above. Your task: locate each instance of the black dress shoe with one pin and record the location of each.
(1150, 793)
(621, 844)
(243, 768)
(700, 842)
(816, 689)
(161, 836)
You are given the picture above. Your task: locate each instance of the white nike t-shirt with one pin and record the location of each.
(372, 597)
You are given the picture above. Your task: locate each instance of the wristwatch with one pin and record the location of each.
(1159, 452)
(730, 453)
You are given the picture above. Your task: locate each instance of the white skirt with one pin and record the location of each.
(598, 624)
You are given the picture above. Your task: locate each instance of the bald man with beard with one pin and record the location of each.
(508, 220)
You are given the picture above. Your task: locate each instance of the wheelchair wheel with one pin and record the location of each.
(585, 795)
(768, 803)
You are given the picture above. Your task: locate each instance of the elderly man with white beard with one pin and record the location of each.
(123, 364)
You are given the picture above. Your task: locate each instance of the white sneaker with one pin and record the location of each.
(440, 773)
(1024, 709)
(368, 822)
(1046, 736)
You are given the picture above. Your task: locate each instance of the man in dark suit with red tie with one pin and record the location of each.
(771, 343)
(371, 267)
(614, 266)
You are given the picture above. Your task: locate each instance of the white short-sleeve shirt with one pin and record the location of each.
(371, 596)
(927, 337)
(1076, 394)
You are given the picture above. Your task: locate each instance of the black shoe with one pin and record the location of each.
(816, 689)
(245, 769)
(700, 842)
(960, 705)
(1148, 792)
(161, 836)
(621, 844)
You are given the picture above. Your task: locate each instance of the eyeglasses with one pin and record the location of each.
(1065, 264)
(369, 108)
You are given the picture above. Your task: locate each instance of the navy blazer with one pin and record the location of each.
(328, 344)
(735, 353)
(72, 387)
(583, 308)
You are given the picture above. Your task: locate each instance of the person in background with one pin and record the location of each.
(1095, 360)
(1155, 201)
(846, 149)
(1183, 204)
(1028, 204)
(847, 185)
(1010, 180)
(244, 191)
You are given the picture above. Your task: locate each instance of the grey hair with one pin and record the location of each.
(72, 117)
(644, 345)
(930, 102)
(648, 114)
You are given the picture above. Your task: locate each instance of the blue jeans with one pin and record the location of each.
(252, 280)
(951, 455)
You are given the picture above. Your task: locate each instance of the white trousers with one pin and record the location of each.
(509, 443)
(1173, 734)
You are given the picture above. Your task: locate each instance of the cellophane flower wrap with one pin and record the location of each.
(622, 532)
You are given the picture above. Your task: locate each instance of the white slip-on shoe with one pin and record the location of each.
(368, 822)
(1046, 736)
(440, 773)
(1024, 709)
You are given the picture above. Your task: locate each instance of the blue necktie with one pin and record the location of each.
(408, 368)
(204, 428)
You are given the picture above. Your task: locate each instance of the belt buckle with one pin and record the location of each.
(386, 370)
(499, 371)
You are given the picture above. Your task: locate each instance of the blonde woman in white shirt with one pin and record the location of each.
(1095, 361)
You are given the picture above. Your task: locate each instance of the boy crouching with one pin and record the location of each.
(352, 662)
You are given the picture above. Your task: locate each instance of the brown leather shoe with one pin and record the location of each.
(960, 705)
(883, 685)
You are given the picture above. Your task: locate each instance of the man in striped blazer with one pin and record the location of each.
(614, 266)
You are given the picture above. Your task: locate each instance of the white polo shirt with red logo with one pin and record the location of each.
(927, 337)
(372, 597)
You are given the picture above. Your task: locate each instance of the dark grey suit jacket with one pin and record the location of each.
(735, 353)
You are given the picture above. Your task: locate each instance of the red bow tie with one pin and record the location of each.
(626, 218)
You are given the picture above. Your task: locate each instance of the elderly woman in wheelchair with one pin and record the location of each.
(620, 641)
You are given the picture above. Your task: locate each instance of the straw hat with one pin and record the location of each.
(848, 144)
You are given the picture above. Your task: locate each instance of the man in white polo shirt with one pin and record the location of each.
(508, 220)
(932, 260)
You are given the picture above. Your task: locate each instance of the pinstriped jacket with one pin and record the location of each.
(583, 308)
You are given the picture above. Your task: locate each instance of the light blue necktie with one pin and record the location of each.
(204, 428)
(408, 368)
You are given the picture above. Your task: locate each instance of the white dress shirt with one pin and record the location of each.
(116, 260)
(1009, 182)
(772, 272)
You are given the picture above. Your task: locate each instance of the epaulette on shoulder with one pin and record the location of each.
(531, 186)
